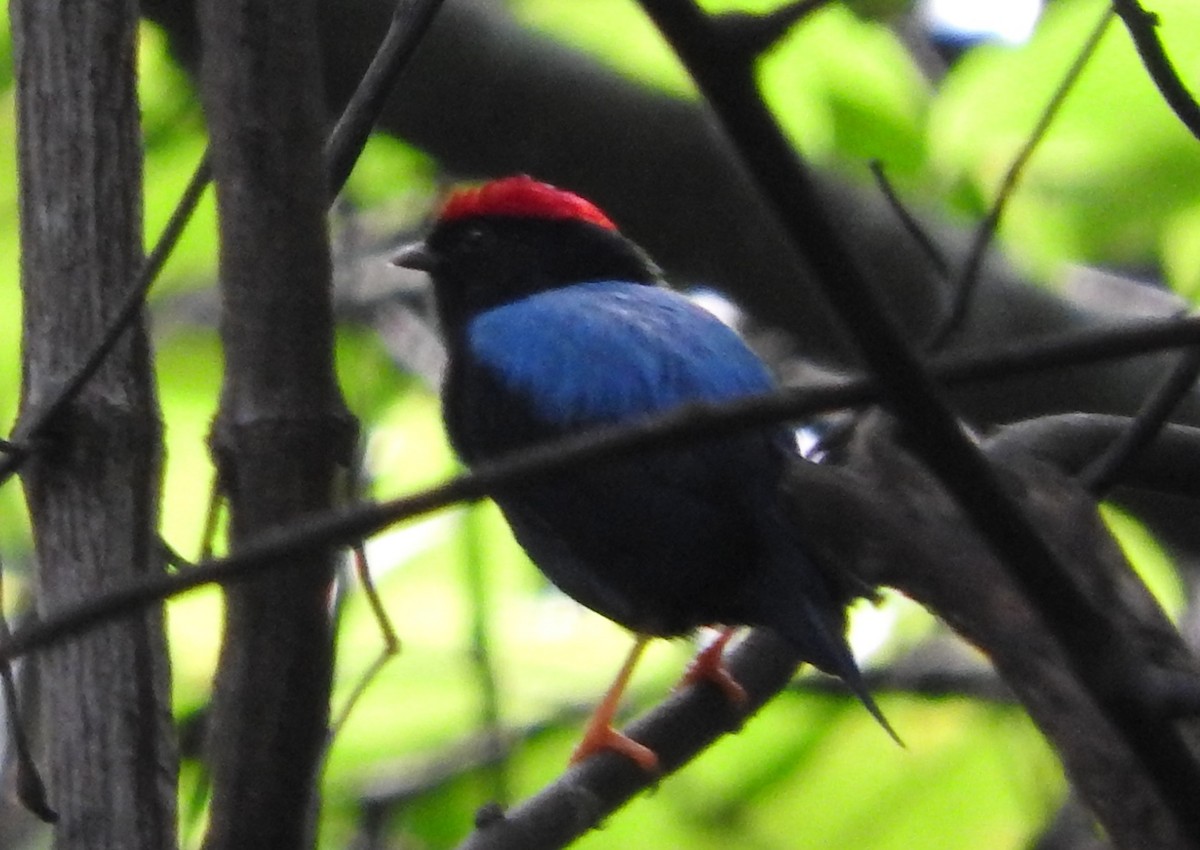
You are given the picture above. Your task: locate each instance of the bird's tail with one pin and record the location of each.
(795, 599)
(822, 645)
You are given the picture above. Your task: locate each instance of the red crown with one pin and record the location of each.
(522, 197)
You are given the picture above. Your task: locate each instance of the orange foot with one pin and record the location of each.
(600, 734)
(709, 666)
(605, 738)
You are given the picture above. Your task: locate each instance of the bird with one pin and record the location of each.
(556, 323)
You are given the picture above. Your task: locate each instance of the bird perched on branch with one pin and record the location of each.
(556, 323)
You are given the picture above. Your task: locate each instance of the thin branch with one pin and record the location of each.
(964, 287)
(1142, 26)
(355, 486)
(908, 221)
(212, 519)
(410, 21)
(483, 662)
(389, 650)
(1106, 470)
(679, 728)
(272, 549)
(417, 777)
(31, 790)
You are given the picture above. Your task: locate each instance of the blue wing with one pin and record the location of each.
(610, 351)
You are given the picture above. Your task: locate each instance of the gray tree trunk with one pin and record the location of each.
(93, 486)
(282, 428)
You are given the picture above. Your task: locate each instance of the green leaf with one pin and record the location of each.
(1151, 562)
(391, 173)
(1116, 164)
(615, 31)
(840, 85)
(848, 88)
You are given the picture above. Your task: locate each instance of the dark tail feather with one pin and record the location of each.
(828, 651)
(792, 600)
(800, 603)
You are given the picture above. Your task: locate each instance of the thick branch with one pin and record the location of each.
(1106, 666)
(94, 496)
(919, 543)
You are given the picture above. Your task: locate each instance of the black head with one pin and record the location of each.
(515, 237)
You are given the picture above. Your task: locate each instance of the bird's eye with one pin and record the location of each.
(475, 239)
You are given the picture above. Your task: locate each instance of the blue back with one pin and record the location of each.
(609, 351)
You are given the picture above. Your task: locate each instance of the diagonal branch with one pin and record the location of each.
(1103, 664)
(272, 548)
(985, 232)
(410, 21)
(33, 424)
(677, 730)
(1107, 468)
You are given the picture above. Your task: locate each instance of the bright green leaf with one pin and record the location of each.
(1116, 164)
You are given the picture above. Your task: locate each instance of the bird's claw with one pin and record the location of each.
(606, 738)
(709, 666)
(719, 676)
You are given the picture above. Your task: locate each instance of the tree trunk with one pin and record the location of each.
(282, 427)
(93, 487)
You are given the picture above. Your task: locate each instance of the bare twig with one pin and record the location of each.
(389, 650)
(964, 287)
(1142, 29)
(678, 729)
(272, 548)
(482, 660)
(33, 425)
(410, 21)
(31, 790)
(908, 221)
(1105, 471)
(212, 519)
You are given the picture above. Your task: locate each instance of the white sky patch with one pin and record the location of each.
(717, 304)
(1007, 20)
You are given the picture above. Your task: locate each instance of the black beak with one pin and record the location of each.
(416, 256)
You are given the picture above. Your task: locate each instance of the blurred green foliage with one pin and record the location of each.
(1114, 182)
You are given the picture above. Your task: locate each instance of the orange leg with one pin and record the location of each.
(709, 666)
(600, 734)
